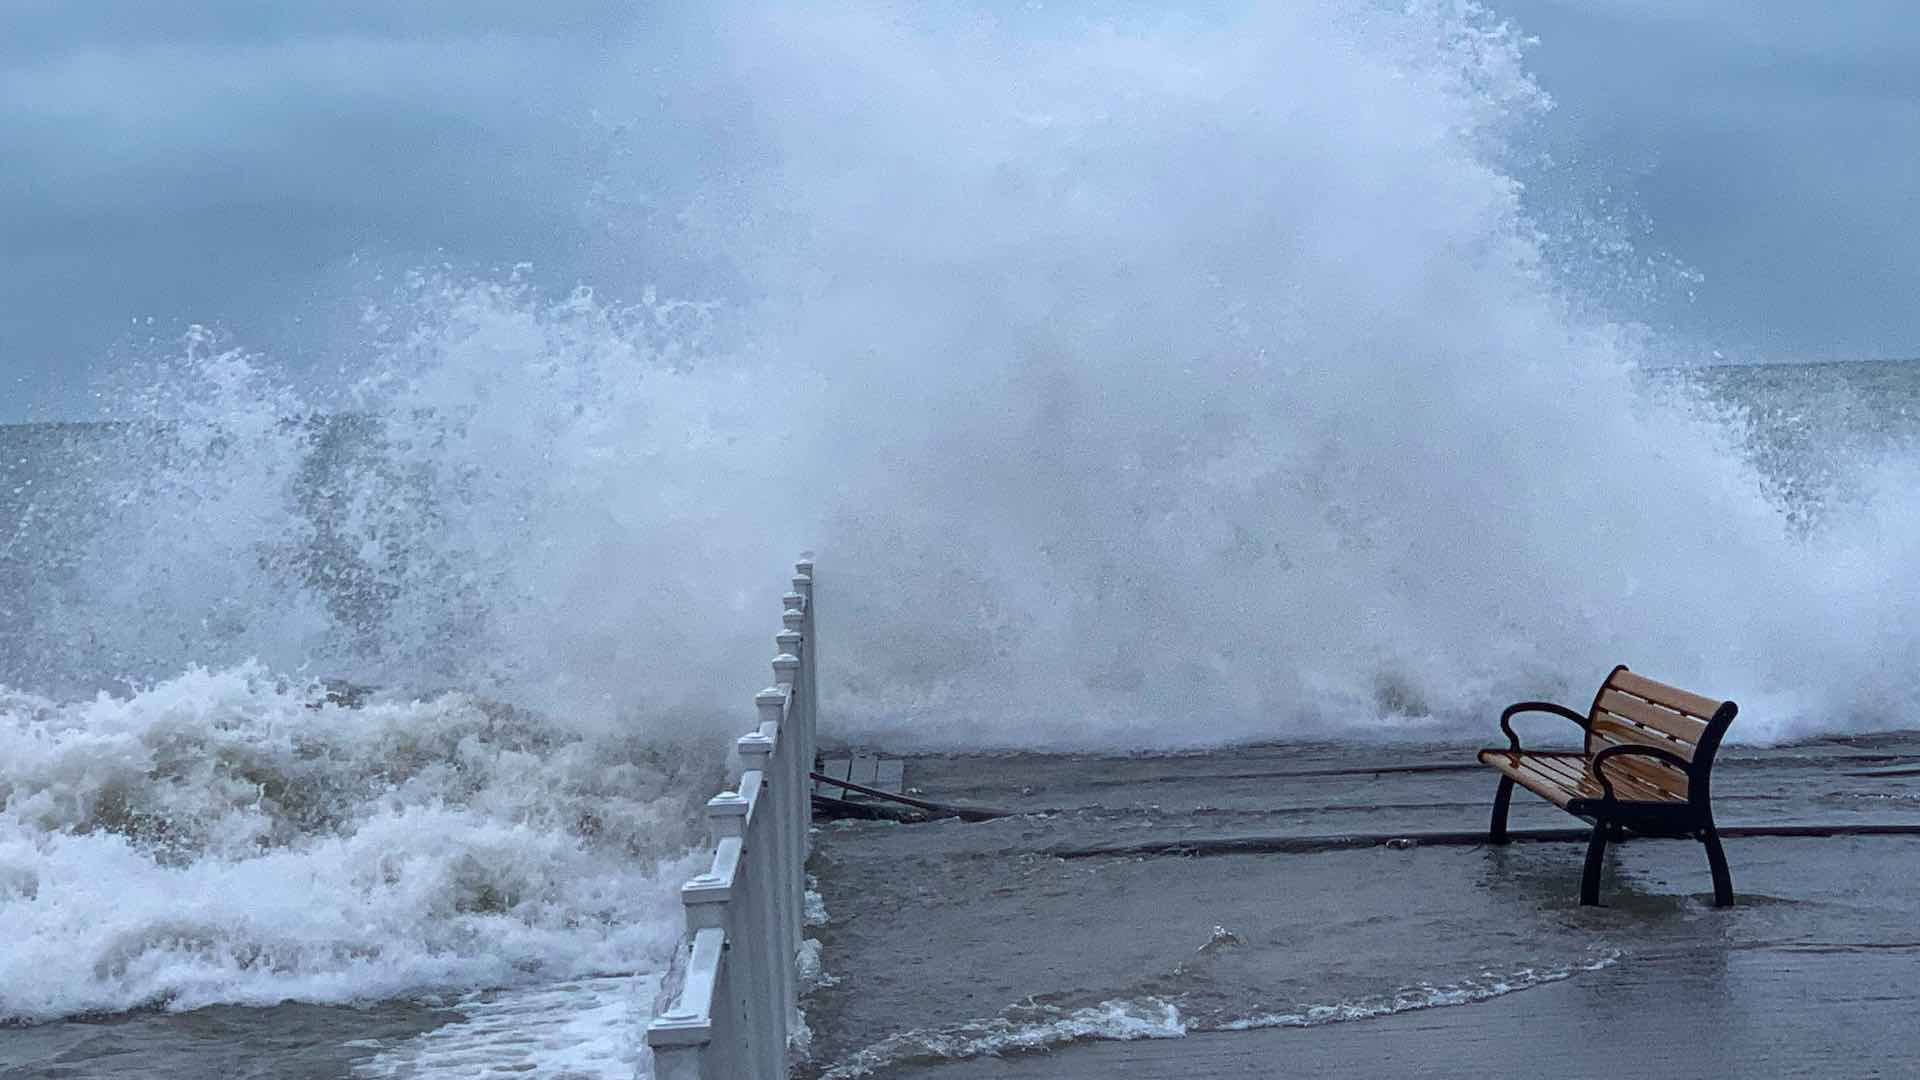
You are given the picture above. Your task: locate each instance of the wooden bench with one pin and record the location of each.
(1646, 767)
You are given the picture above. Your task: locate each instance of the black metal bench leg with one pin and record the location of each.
(1497, 832)
(1717, 862)
(1596, 854)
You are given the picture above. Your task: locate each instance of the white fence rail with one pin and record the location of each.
(730, 1000)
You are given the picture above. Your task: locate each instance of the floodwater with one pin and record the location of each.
(579, 1029)
(981, 944)
(290, 1041)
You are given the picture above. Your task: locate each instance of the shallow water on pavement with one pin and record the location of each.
(953, 940)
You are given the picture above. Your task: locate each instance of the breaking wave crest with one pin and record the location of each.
(227, 837)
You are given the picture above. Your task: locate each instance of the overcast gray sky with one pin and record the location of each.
(1772, 145)
(245, 164)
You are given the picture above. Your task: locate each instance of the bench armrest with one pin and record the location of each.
(1636, 750)
(1506, 717)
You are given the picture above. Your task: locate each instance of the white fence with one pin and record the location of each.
(730, 999)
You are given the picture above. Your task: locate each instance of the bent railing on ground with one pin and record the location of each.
(730, 1000)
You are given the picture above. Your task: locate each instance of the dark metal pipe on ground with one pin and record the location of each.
(964, 813)
(1307, 845)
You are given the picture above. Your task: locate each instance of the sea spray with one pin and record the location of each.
(418, 695)
(1150, 380)
(538, 499)
(1199, 380)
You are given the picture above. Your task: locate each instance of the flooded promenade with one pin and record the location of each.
(1075, 938)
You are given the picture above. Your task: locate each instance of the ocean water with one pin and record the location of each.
(1144, 382)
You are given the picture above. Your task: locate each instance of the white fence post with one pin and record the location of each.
(730, 1000)
(795, 621)
(777, 716)
(762, 934)
(810, 659)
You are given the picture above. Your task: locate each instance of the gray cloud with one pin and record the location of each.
(220, 162)
(1770, 145)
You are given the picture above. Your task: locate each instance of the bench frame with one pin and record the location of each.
(1612, 816)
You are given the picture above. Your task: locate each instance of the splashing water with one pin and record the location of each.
(1207, 382)
(1146, 381)
(219, 838)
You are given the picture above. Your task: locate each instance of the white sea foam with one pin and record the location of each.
(1039, 1027)
(1146, 1018)
(814, 910)
(812, 968)
(586, 1029)
(1483, 987)
(215, 839)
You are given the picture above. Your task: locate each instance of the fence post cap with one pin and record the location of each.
(727, 804)
(679, 1030)
(787, 638)
(754, 743)
(794, 601)
(793, 620)
(804, 566)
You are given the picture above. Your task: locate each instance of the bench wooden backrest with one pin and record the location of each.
(1631, 708)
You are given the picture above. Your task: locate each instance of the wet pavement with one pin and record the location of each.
(976, 950)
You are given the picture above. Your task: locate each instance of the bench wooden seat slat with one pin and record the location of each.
(1629, 785)
(1661, 694)
(1528, 771)
(1561, 778)
(1674, 725)
(1652, 785)
(1646, 770)
(1634, 791)
(1568, 772)
(1651, 771)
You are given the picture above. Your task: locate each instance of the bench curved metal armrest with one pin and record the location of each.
(1506, 717)
(1636, 750)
